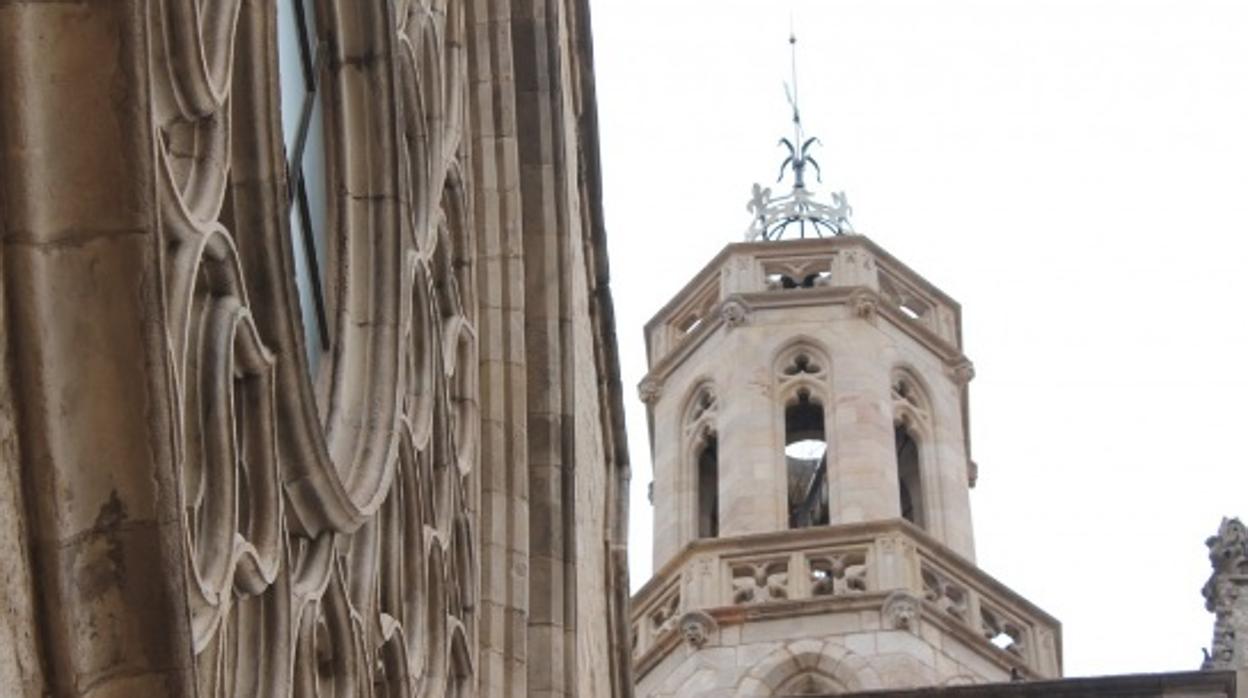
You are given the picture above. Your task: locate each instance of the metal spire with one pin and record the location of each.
(799, 147)
(773, 216)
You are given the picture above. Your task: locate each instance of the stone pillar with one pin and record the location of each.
(864, 481)
(79, 229)
(950, 465)
(1226, 596)
(752, 481)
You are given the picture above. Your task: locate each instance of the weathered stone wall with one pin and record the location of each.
(83, 329)
(20, 672)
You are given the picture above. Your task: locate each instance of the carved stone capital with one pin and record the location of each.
(734, 312)
(901, 611)
(697, 627)
(649, 390)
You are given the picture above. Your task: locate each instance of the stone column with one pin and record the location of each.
(79, 229)
(752, 482)
(864, 481)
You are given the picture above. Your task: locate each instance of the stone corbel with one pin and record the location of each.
(698, 628)
(901, 611)
(864, 304)
(734, 313)
(649, 390)
(962, 372)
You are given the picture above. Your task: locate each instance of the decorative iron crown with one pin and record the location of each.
(773, 215)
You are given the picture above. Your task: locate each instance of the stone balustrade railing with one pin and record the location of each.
(891, 566)
(847, 269)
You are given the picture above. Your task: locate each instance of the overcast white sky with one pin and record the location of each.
(1074, 173)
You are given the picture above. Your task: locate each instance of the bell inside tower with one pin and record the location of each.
(806, 460)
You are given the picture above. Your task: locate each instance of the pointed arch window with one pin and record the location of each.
(801, 375)
(806, 461)
(911, 487)
(301, 64)
(911, 415)
(701, 432)
(708, 487)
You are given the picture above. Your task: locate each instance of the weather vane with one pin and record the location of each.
(774, 216)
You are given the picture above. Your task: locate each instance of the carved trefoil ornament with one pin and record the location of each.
(760, 582)
(838, 573)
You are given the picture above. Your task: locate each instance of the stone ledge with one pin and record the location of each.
(1193, 684)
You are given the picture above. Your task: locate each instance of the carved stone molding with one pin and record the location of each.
(901, 611)
(698, 628)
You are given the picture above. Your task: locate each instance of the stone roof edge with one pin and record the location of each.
(607, 354)
(1124, 686)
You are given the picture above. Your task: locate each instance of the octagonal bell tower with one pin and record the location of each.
(807, 404)
(808, 382)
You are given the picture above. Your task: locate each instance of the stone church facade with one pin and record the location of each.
(308, 383)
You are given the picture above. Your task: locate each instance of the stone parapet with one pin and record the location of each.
(1190, 684)
(847, 269)
(877, 576)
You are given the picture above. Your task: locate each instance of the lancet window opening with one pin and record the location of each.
(301, 65)
(702, 439)
(911, 425)
(801, 375)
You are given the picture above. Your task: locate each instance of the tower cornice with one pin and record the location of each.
(738, 276)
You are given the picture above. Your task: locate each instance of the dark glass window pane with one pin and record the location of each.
(304, 139)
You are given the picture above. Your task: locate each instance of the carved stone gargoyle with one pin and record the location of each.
(1225, 597)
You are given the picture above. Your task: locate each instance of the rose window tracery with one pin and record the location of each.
(321, 300)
